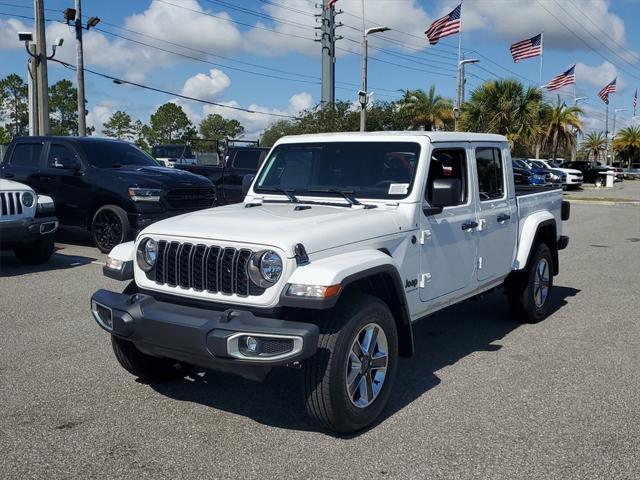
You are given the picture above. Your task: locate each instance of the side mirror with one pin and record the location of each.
(247, 180)
(65, 163)
(445, 193)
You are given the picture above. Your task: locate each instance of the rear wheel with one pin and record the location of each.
(110, 227)
(599, 182)
(36, 252)
(349, 380)
(529, 292)
(145, 366)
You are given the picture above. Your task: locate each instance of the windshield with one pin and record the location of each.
(108, 154)
(521, 164)
(365, 169)
(537, 163)
(172, 151)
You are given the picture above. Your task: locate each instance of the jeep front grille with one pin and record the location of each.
(204, 268)
(10, 204)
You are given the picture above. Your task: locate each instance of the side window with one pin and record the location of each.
(246, 159)
(59, 153)
(448, 163)
(490, 173)
(26, 155)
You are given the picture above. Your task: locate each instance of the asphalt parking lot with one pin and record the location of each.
(484, 398)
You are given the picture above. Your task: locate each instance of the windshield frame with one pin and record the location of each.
(402, 145)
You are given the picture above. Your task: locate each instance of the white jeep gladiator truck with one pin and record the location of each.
(27, 222)
(343, 241)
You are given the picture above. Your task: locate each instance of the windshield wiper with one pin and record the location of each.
(287, 193)
(346, 194)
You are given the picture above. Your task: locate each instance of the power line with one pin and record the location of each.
(174, 94)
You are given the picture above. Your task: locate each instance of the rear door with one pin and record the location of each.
(497, 212)
(24, 164)
(448, 240)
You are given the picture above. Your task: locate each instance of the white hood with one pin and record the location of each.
(281, 225)
(10, 185)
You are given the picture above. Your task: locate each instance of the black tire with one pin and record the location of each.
(36, 252)
(599, 182)
(525, 291)
(327, 399)
(145, 366)
(109, 227)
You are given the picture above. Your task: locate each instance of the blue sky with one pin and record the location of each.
(236, 45)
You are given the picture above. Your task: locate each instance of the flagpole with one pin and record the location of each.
(456, 114)
(541, 54)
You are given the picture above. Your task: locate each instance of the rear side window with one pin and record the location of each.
(490, 174)
(247, 159)
(26, 155)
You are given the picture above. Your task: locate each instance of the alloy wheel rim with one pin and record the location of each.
(108, 229)
(366, 367)
(541, 283)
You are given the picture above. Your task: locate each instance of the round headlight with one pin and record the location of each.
(28, 199)
(147, 254)
(265, 268)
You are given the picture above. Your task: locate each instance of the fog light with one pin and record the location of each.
(313, 291)
(114, 263)
(251, 343)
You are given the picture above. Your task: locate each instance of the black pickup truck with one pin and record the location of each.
(109, 187)
(228, 176)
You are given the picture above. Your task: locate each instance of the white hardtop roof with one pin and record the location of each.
(432, 136)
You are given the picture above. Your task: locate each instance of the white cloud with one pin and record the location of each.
(599, 75)
(206, 87)
(98, 115)
(9, 34)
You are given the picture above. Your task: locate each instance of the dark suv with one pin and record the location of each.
(110, 187)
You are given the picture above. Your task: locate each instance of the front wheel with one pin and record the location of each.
(37, 252)
(145, 366)
(349, 380)
(529, 292)
(110, 227)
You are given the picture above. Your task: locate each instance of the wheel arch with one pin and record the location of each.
(545, 232)
(99, 202)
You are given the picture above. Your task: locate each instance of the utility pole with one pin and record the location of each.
(82, 119)
(42, 80)
(328, 43)
(32, 91)
(363, 94)
(574, 150)
(613, 132)
(460, 89)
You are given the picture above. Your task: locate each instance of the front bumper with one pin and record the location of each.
(26, 229)
(202, 337)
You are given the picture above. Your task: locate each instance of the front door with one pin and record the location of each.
(497, 213)
(448, 239)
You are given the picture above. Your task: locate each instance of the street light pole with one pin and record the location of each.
(42, 80)
(574, 150)
(613, 130)
(82, 119)
(460, 89)
(363, 94)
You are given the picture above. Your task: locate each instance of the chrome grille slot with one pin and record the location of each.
(3, 204)
(18, 203)
(204, 268)
(10, 204)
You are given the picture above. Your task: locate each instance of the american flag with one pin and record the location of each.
(445, 26)
(331, 4)
(609, 88)
(565, 78)
(529, 48)
(635, 103)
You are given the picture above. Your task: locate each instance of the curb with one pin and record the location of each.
(606, 203)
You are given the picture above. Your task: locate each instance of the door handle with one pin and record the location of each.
(503, 217)
(469, 225)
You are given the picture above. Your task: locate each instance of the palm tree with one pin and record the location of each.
(505, 107)
(627, 143)
(594, 143)
(562, 124)
(426, 109)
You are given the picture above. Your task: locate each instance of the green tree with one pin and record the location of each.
(505, 107)
(169, 124)
(63, 107)
(119, 125)
(561, 124)
(426, 109)
(216, 127)
(593, 144)
(276, 131)
(627, 143)
(5, 136)
(14, 104)
(139, 135)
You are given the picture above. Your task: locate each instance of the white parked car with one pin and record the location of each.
(574, 177)
(27, 222)
(342, 243)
